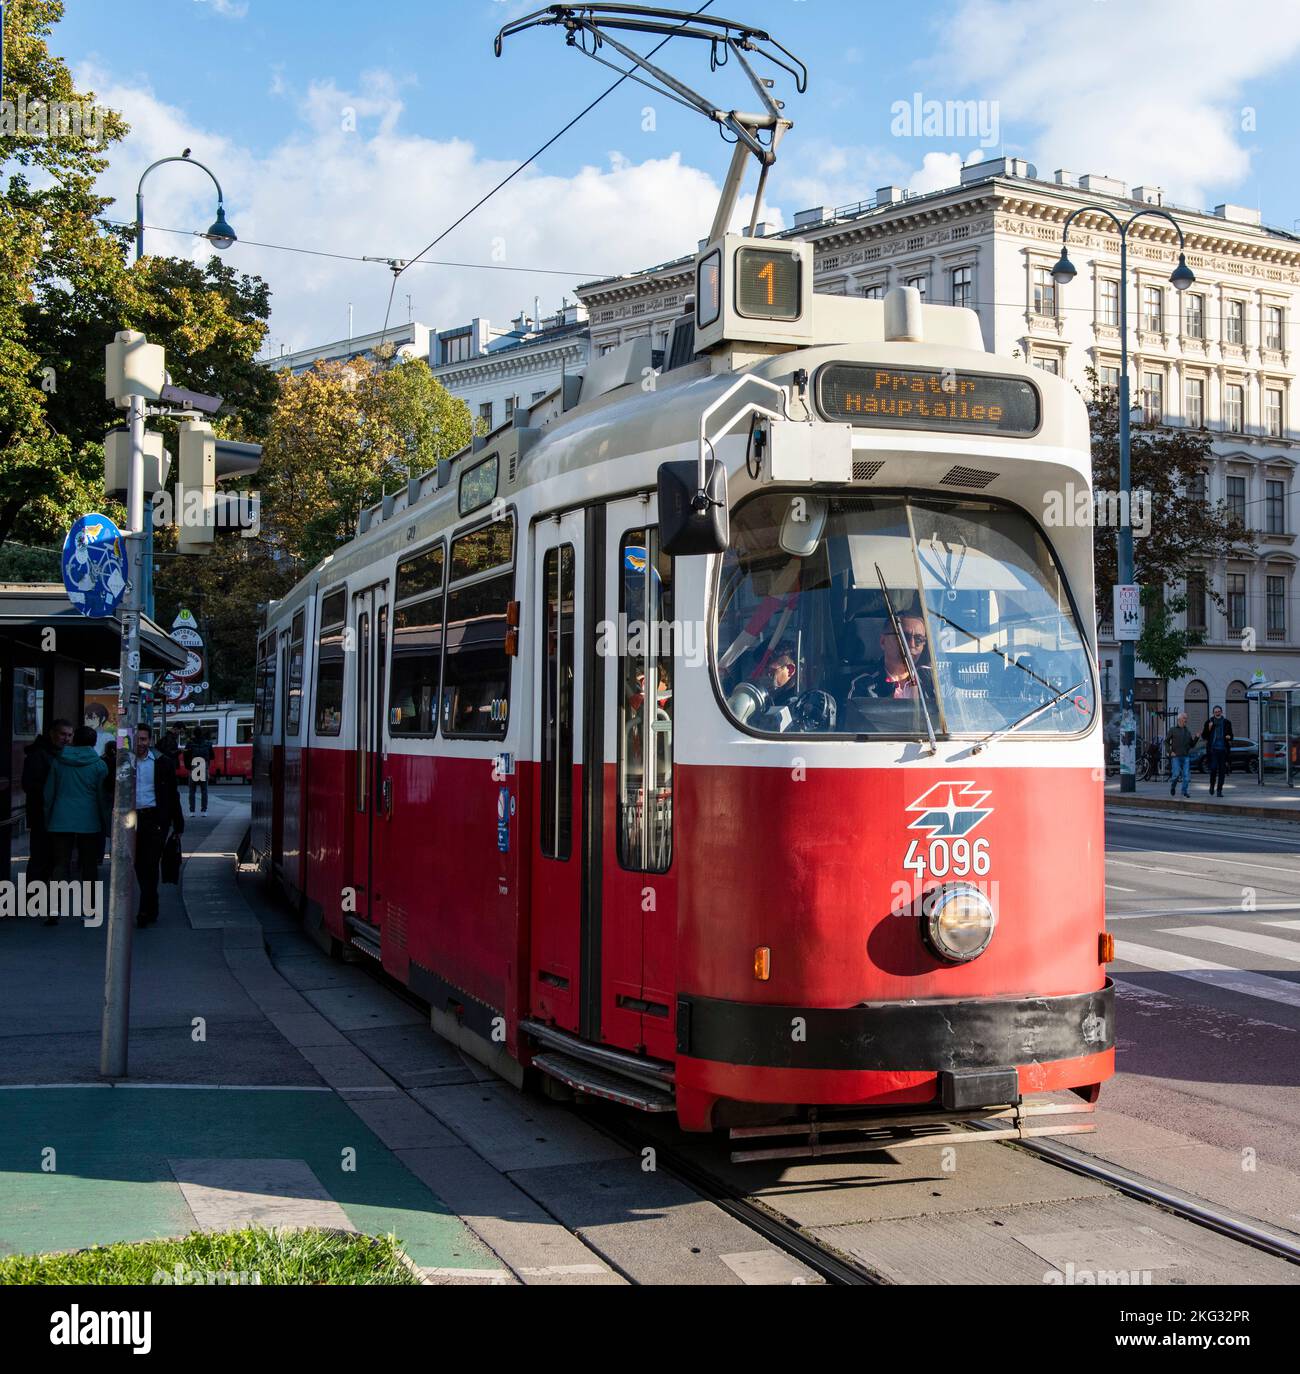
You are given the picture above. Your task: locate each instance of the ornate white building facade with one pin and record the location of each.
(1221, 356)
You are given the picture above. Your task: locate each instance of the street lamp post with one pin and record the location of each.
(1181, 278)
(221, 236)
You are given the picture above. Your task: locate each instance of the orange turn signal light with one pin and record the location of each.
(512, 613)
(1105, 948)
(512, 643)
(762, 963)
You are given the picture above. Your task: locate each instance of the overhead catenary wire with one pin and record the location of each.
(505, 181)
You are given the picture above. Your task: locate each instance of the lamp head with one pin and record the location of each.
(1063, 273)
(221, 235)
(1182, 276)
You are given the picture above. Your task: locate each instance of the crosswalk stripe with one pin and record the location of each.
(1241, 939)
(1213, 975)
(1284, 925)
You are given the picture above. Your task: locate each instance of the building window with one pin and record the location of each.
(1273, 327)
(1234, 322)
(1275, 507)
(1236, 601)
(456, 349)
(557, 702)
(1198, 488)
(1044, 292)
(1153, 308)
(485, 414)
(1194, 410)
(1052, 365)
(1276, 606)
(1196, 603)
(920, 283)
(510, 407)
(1273, 412)
(1108, 382)
(476, 666)
(1194, 315)
(961, 286)
(417, 645)
(1237, 497)
(537, 396)
(607, 348)
(1153, 397)
(1108, 303)
(874, 293)
(645, 711)
(1234, 408)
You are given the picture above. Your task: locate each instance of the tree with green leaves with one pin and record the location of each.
(1187, 535)
(342, 435)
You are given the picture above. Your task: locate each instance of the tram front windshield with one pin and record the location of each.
(896, 616)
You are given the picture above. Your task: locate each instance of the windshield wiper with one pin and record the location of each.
(908, 659)
(1026, 718)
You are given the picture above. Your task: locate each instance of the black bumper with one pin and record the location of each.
(924, 1037)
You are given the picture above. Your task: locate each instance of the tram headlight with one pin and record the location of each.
(958, 921)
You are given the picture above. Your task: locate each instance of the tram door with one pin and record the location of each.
(560, 906)
(638, 886)
(368, 802)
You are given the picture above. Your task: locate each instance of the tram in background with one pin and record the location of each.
(228, 728)
(723, 740)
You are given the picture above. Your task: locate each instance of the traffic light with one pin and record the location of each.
(206, 460)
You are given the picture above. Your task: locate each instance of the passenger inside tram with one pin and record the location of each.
(896, 616)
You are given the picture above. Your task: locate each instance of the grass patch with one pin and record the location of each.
(251, 1255)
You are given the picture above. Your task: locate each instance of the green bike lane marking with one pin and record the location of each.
(111, 1180)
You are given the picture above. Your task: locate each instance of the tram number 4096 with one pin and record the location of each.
(948, 858)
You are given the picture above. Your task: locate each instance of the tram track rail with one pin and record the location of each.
(1195, 1210)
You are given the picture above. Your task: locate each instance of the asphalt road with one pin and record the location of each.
(1206, 917)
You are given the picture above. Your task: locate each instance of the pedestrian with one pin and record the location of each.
(157, 814)
(36, 769)
(1217, 735)
(198, 747)
(1180, 744)
(75, 813)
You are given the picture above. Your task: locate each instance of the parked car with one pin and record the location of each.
(1244, 754)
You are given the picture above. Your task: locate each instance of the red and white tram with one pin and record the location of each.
(228, 728)
(809, 820)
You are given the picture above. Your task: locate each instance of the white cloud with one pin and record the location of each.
(1152, 92)
(347, 178)
(231, 9)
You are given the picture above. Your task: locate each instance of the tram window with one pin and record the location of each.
(645, 707)
(417, 659)
(243, 731)
(557, 702)
(895, 617)
(362, 661)
(265, 706)
(329, 665)
(293, 723)
(420, 575)
(476, 668)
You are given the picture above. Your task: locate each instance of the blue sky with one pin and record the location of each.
(1144, 90)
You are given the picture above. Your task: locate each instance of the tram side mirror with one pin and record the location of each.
(683, 530)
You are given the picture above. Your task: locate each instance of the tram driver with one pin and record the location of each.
(892, 676)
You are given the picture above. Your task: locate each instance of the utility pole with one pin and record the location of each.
(135, 369)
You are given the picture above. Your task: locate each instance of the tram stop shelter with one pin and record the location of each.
(46, 649)
(1278, 731)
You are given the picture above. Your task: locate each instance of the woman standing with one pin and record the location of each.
(75, 808)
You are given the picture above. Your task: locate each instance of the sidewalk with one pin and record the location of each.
(222, 1122)
(1242, 796)
(270, 1083)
